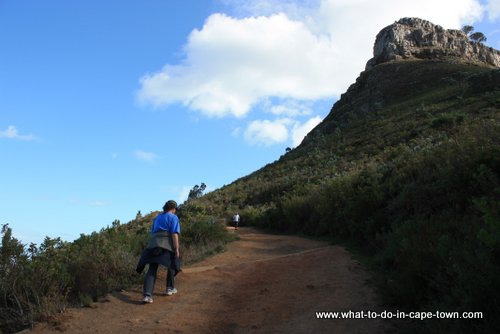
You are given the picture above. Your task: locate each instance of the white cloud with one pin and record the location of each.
(290, 108)
(299, 131)
(303, 50)
(13, 133)
(146, 156)
(493, 9)
(232, 64)
(267, 133)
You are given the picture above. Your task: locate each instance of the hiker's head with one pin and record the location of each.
(170, 205)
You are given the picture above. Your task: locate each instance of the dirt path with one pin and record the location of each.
(261, 284)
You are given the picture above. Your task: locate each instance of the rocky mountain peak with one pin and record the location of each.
(414, 38)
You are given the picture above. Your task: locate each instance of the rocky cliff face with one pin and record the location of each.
(413, 38)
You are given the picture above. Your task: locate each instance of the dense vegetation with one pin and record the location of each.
(37, 282)
(407, 167)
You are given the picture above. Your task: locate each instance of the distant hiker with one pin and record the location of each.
(162, 248)
(236, 220)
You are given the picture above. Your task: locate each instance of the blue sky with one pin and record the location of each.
(111, 107)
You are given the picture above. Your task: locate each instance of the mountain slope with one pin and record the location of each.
(406, 165)
(392, 106)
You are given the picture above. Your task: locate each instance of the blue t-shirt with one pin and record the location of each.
(166, 222)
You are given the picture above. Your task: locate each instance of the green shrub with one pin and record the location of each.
(36, 283)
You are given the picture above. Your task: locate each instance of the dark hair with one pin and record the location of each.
(169, 206)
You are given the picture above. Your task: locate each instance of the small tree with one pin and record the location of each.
(197, 191)
(467, 29)
(116, 223)
(478, 37)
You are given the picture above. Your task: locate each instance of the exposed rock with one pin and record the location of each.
(420, 39)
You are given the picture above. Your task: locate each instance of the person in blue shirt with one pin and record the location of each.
(162, 248)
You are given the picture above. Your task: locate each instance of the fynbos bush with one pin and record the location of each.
(36, 282)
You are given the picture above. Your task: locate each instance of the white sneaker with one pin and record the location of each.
(171, 291)
(147, 300)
